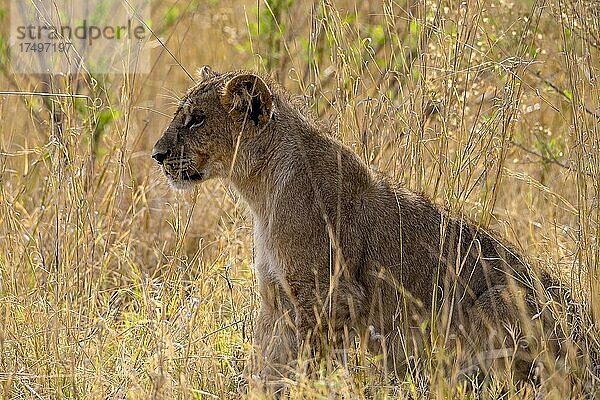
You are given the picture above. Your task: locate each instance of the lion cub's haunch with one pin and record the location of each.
(340, 251)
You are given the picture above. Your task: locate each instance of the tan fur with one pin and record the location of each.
(340, 251)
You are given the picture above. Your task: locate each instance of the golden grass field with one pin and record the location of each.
(115, 286)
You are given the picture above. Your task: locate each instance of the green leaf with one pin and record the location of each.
(104, 118)
(172, 15)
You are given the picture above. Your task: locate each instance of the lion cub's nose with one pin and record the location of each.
(160, 155)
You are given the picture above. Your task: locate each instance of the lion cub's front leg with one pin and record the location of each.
(275, 348)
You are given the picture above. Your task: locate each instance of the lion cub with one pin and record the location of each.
(342, 252)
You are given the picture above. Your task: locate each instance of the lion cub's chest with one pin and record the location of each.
(268, 268)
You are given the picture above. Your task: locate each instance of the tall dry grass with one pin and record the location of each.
(114, 286)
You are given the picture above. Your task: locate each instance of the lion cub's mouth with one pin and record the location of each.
(185, 176)
(191, 176)
(184, 172)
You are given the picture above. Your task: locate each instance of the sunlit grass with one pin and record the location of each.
(114, 286)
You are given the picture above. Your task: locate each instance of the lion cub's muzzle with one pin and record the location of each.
(179, 168)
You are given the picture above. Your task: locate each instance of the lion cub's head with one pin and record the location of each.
(215, 118)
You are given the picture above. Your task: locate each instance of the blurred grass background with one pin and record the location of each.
(113, 285)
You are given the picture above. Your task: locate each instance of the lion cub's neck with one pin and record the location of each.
(289, 165)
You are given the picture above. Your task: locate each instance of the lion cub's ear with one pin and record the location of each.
(206, 72)
(249, 97)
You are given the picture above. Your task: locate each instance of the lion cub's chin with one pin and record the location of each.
(182, 184)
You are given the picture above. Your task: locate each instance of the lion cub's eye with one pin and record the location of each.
(193, 121)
